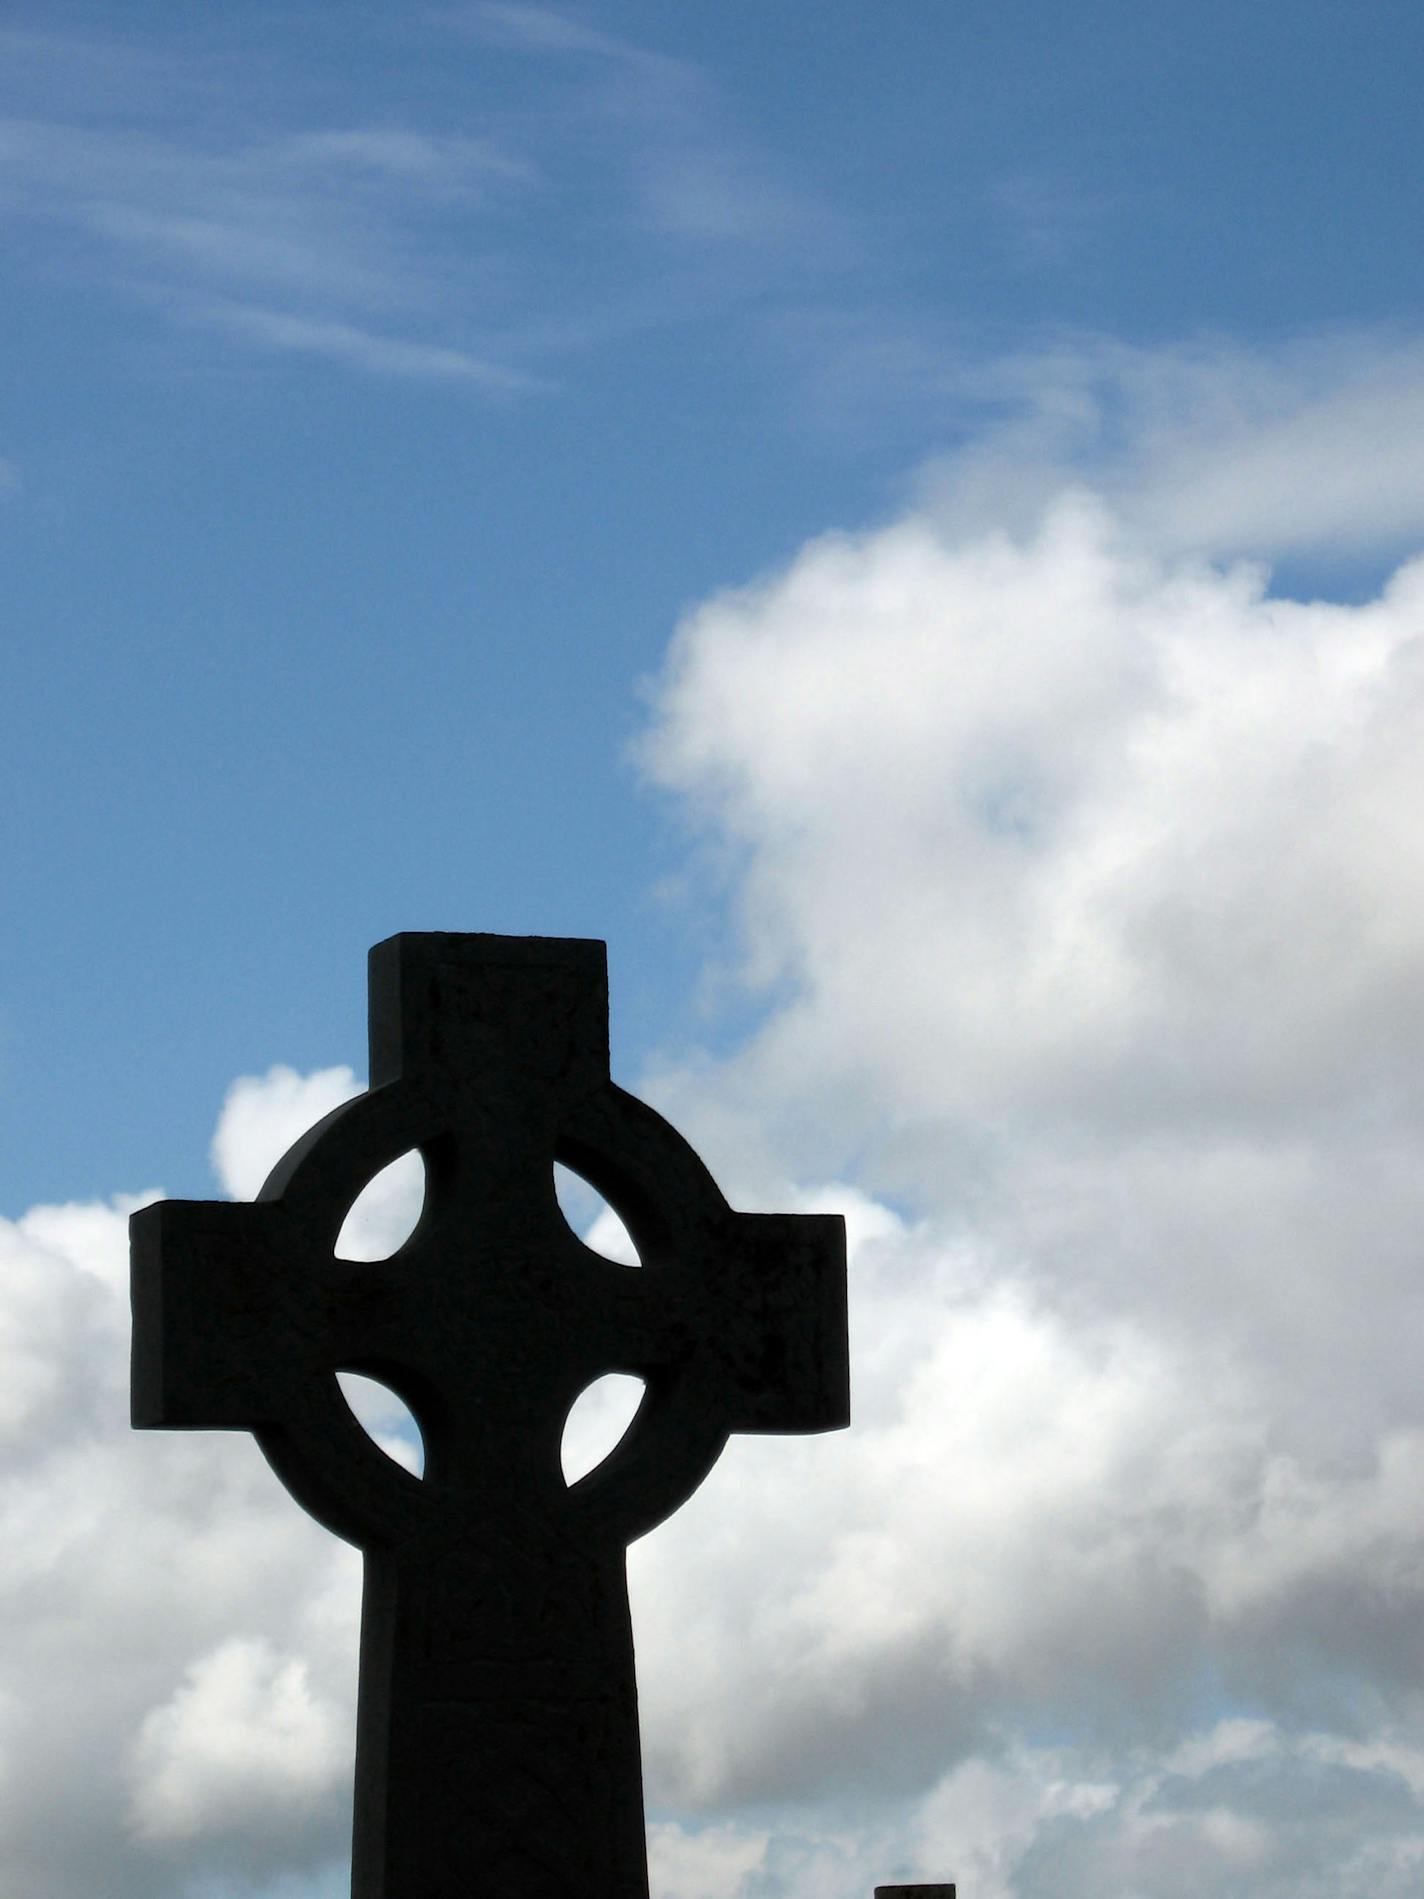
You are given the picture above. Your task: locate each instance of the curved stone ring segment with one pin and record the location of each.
(494, 1590)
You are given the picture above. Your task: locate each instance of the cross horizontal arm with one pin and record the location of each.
(782, 1327)
(211, 1300)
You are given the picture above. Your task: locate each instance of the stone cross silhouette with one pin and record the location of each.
(497, 1726)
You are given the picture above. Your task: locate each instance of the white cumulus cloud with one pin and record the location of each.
(1076, 879)
(1079, 881)
(242, 1742)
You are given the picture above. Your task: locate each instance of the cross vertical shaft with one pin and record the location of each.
(489, 1739)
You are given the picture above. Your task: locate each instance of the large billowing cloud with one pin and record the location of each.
(1082, 886)
(1077, 880)
(1089, 890)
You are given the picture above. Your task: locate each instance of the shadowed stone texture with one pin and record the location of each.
(497, 1731)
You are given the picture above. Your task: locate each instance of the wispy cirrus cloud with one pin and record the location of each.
(688, 170)
(367, 350)
(546, 30)
(472, 238)
(1045, 218)
(342, 223)
(225, 198)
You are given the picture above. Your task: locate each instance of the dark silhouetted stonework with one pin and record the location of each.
(914, 1892)
(497, 1747)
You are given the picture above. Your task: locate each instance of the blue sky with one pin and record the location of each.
(381, 388)
(899, 518)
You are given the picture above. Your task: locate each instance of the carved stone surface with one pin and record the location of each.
(914, 1892)
(497, 1731)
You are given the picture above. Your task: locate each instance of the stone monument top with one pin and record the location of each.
(497, 1730)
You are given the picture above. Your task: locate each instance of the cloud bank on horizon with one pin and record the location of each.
(1077, 879)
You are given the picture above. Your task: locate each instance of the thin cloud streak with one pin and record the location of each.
(363, 349)
(694, 175)
(327, 214)
(546, 30)
(357, 240)
(343, 223)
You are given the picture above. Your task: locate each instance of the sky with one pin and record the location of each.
(908, 522)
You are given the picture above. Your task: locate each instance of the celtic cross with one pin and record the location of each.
(497, 1729)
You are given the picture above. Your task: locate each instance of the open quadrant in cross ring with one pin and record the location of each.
(591, 1217)
(598, 1421)
(386, 1419)
(385, 1213)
